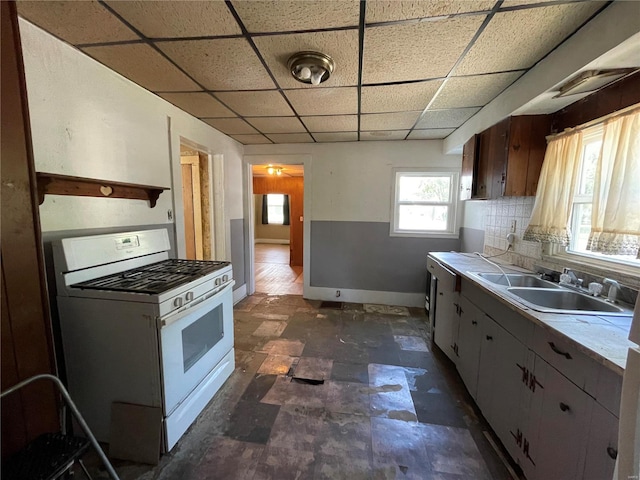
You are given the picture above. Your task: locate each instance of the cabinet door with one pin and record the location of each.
(500, 390)
(467, 175)
(446, 322)
(602, 445)
(563, 424)
(469, 342)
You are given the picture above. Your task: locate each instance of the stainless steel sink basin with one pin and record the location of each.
(517, 280)
(561, 300)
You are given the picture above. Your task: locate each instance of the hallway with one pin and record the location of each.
(274, 276)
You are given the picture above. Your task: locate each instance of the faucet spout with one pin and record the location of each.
(613, 289)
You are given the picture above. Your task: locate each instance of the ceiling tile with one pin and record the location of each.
(384, 135)
(76, 22)
(162, 19)
(336, 137)
(446, 118)
(474, 91)
(290, 138)
(341, 45)
(198, 104)
(221, 64)
(397, 98)
(416, 51)
(277, 124)
(335, 123)
(287, 16)
(518, 39)
(251, 139)
(143, 65)
(257, 104)
(393, 10)
(388, 121)
(515, 3)
(230, 126)
(431, 134)
(324, 101)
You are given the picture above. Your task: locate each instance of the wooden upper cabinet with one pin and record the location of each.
(505, 159)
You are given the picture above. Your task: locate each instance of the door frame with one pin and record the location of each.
(249, 207)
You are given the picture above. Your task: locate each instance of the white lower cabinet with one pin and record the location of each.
(445, 328)
(551, 427)
(602, 449)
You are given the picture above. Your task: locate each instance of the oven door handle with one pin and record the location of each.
(174, 317)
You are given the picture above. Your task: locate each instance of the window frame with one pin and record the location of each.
(452, 204)
(281, 205)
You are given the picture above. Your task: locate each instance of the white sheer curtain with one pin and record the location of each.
(552, 209)
(615, 221)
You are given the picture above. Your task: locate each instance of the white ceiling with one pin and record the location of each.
(404, 69)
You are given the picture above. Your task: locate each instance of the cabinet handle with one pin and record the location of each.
(440, 293)
(431, 267)
(489, 337)
(474, 322)
(564, 407)
(559, 352)
(612, 452)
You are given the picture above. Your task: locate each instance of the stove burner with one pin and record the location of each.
(154, 278)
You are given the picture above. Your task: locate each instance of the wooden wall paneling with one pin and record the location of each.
(294, 187)
(621, 94)
(25, 301)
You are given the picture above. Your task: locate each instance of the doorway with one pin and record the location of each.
(278, 228)
(196, 198)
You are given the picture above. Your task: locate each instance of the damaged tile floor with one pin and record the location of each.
(324, 393)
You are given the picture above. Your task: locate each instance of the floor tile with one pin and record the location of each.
(229, 459)
(285, 464)
(252, 421)
(259, 387)
(346, 397)
(329, 467)
(411, 343)
(292, 348)
(286, 392)
(314, 368)
(296, 428)
(386, 309)
(350, 372)
(270, 328)
(390, 396)
(276, 365)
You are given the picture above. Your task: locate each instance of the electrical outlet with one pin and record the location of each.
(169, 215)
(513, 226)
(337, 293)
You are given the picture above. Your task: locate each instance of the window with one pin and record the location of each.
(582, 204)
(424, 203)
(273, 209)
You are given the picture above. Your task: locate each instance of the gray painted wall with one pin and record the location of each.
(471, 240)
(237, 251)
(362, 256)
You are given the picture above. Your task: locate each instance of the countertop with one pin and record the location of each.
(601, 337)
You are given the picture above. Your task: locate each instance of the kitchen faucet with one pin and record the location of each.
(613, 289)
(573, 278)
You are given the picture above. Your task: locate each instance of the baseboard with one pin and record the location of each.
(282, 241)
(365, 296)
(239, 293)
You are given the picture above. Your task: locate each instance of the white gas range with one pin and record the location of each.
(140, 328)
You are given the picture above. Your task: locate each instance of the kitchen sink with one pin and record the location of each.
(517, 280)
(561, 300)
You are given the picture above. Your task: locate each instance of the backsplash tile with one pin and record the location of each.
(499, 215)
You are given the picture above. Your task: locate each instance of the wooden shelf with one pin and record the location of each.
(50, 183)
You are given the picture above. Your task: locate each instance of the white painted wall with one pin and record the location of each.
(474, 213)
(351, 181)
(88, 121)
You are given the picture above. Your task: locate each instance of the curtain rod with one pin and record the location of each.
(617, 113)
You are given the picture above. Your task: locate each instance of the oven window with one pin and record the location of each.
(201, 336)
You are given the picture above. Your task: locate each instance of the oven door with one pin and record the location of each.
(192, 343)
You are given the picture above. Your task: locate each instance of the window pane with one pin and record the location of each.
(588, 173)
(427, 188)
(423, 217)
(581, 226)
(275, 201)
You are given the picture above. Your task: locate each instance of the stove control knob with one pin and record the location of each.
(218, 281)
(225, 278)
(177, 302)
(189, 296)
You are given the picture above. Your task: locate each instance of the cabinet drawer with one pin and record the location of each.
(567, 359)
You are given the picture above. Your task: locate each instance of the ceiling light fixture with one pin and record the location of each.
(271, 170)
(311, 67)
(592, 80)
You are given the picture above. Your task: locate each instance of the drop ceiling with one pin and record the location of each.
(404, 69)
